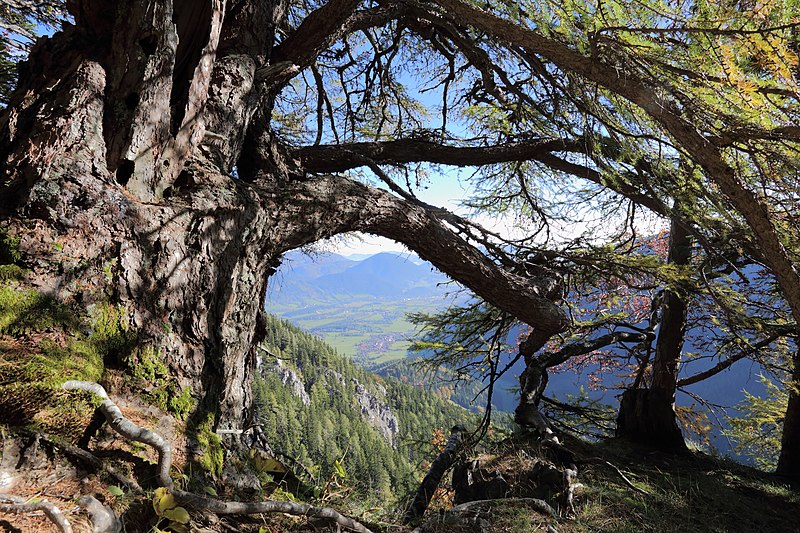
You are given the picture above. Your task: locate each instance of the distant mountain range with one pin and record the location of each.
(330, 277)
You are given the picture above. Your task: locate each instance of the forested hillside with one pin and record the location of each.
(318, 407)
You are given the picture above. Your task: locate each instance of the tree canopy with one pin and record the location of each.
(184, 147)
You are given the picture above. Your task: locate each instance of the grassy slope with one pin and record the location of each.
(696, 493)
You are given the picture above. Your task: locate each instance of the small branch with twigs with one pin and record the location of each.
(129, 430)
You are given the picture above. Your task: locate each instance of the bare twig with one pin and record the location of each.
(19, 505)
(534, 503)
(619, 473)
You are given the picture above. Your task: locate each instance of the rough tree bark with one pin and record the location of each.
(647, 415)
(117, 150)
(789, 458)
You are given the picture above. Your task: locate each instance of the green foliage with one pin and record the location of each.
(181, 404)
(9, 248)
(331, 435)
(148, 366)
(757, 431)
(20, 21)
(31, 378)
(11, 273)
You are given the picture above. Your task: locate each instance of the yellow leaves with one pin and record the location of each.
(755, 60)
(263, 462)
(166, 507)
(763, 9)
(695, 422)
(736, 78)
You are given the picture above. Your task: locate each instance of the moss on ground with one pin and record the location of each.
(27, 311)
(45, 343)
(212, 453)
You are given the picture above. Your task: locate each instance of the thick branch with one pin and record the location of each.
(647, 94)
(575, 349)
(440, 465)
(271, 506)
(316, 33)
(338, 158)
(333, 205)
(536, 504)
(103, 518)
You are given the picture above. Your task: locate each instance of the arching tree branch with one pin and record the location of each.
(351, 206)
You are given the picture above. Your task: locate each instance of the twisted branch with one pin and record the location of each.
(19, 505)
(131, 431)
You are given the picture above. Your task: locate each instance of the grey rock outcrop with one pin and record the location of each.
(377, 412)
(292, 379)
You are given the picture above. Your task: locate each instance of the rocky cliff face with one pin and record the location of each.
(377, 412)
(288, 376)
(372, 403)
(293, 380)
(374, 408)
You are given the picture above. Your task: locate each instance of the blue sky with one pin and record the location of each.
(443, 190)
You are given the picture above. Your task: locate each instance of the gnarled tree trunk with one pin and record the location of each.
(117, 179)
(105, 174)
(648, 415)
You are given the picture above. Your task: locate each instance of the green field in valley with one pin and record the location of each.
(366, 329)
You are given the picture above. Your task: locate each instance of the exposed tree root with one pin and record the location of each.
(536, 504)
(20, 505)
(131, 431)
(270, 506)
(87, 458)
(103, 518)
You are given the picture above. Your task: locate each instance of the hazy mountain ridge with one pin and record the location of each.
(325, 278)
